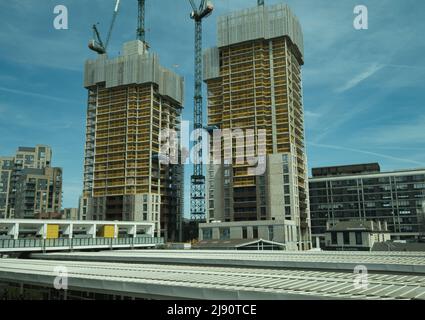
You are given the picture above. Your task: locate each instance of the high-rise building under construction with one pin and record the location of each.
(131, 98)
(254, 82)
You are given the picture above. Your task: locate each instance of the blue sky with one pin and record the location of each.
(364, 91)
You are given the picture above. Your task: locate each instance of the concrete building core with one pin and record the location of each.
(254, 82)
(131, 98)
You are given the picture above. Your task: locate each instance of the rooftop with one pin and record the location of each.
(388, 262)
(159, 281)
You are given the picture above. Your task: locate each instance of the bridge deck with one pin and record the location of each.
(65, 244)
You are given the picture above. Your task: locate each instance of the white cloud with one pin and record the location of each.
(401, 134)
(37, 95)
(375, 154)
(356, 80)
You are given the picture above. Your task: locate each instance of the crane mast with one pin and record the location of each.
(141, 22)
(197, 191)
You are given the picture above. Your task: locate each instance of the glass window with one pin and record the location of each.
(271, 233)
(255, 232)
(244, 233)
(224, 233)
(207, 234)
(334, 238)
(359, 240)
(346, 236)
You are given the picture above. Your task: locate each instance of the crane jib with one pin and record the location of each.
(117, 5)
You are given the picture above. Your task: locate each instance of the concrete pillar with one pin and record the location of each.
(42, 231)
(92, 230)
(317, 242)
(133, 231)
(116, 231)
(14, 231)
(69, 231)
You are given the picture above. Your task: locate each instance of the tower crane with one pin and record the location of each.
(141, 21)
(96, 44)
(197, 191)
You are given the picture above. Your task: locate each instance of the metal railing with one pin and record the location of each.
(75, 243)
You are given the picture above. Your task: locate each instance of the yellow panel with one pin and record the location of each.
(107, 232)
(52, 231)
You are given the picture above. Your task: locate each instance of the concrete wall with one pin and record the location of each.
(368, 239)
(281, 231)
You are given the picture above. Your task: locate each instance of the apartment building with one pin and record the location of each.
(131, 99)
(363, 192)
(70, 214)
(39, 193)
(254, 82)
(6, 170)
(38, 157)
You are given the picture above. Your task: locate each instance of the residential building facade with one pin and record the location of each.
(131, 99)
(39, 193)
(254, 83)
(363, 192)
(70, 214)
(38, 157)
(6, 171)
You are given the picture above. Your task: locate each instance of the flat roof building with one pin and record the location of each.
(220, 235)
(396, 198)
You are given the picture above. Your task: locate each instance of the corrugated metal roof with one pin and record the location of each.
(201, 282)
(389, 262)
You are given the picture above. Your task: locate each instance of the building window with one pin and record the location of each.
(334, 237)
(207, 234)
(359, 240)
(346, 236)
(244, 233)
(271, 233)
(255, 232)
(224, 233)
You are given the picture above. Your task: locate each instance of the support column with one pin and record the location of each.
(14, 231)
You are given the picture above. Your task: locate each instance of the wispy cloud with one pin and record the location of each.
(37, 95)
(375, 154)
(369, 72)
(311, 114)
(398, 135)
